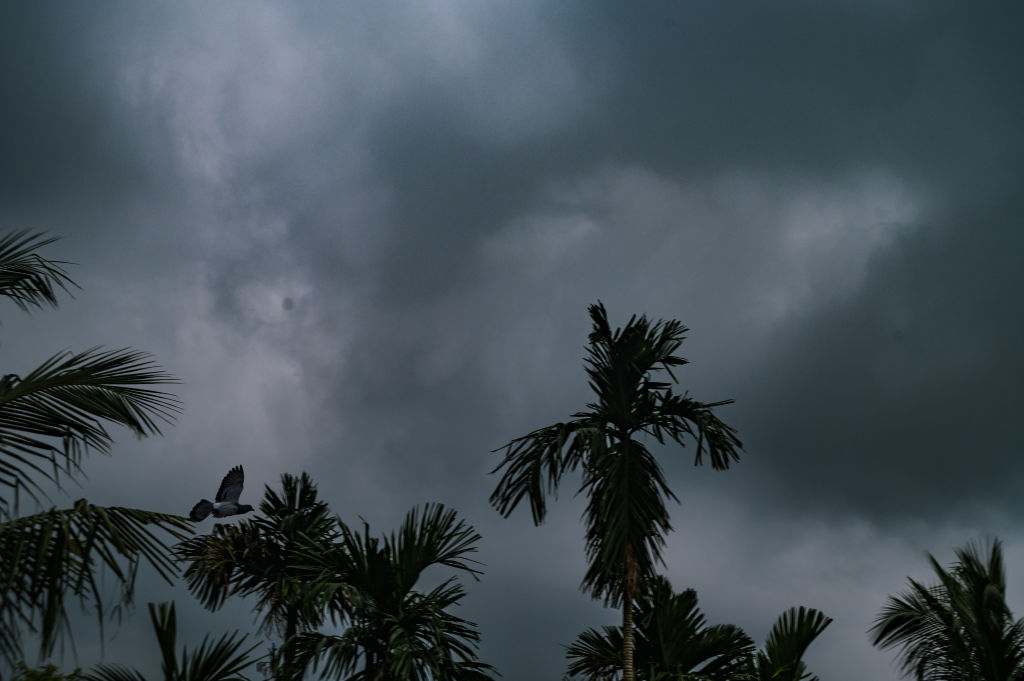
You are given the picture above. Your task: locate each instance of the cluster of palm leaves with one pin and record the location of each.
(50, 418)
(674, 641)
(302, 565)
(305, 567)
(392, 630)
(960, 627)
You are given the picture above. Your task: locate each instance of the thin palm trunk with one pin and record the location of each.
(630, 577)
(629, 674)
(628, 596)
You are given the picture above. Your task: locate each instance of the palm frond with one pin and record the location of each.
(620, 364)
(788, 640)
(534, 464)
(112, 672)
(958, 628)
(165, 626)
(596, 655)
(340, 655)
(247, 560)
(625, 514)
(433, 536)
(680, 417)
(54, 415)
(58, 555)
(220, 660)
(27, 278)
(212, 560)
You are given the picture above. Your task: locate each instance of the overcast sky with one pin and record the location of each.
(827, 193)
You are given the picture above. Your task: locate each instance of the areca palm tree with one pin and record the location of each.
(960, 627)
(50, 418)
(220, 660)
(674, 642)
(394, 631)
(626, 518)
(266, 557)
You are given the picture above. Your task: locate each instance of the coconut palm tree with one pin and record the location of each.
(959, 628)
(626, 519)
(674, 642)
(50, 418)
(220, 660)
(392, 630)
(265, 557)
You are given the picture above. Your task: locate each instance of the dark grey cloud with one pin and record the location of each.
(826, 193)
(900, 401)
(821, 87)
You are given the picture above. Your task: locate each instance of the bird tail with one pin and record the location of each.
(201, 510)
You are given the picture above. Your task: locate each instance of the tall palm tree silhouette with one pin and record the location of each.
(626, 519)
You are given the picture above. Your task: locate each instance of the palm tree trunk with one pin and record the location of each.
(374, 666)
(628, 673)
(291, 628)
(629, 594)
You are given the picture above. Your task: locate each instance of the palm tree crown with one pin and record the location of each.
(959, 628)
(395, 631)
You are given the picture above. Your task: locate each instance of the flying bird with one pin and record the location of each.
(227, 499)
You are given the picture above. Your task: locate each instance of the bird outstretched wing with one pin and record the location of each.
(231, 486)
(200, 511)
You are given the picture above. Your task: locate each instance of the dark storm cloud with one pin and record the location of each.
(823, 87)
(67, 137)
(928, 94)
(825, 192)
(902, 401)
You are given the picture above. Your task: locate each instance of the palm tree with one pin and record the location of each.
(673, 641)
(49, 420)
(221, 660)
(626, 519)
(266, 556)
(959, 628)
(393, 631)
